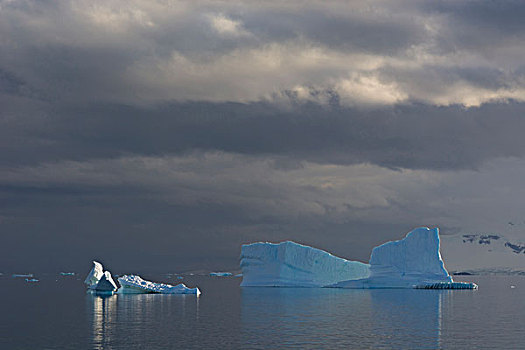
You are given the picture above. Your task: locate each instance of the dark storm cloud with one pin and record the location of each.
(412, 136)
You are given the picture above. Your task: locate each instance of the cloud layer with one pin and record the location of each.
(385, 53)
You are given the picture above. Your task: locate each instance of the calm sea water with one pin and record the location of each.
(56, 313)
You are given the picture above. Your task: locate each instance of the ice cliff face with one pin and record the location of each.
(289, 264)
(413, 261)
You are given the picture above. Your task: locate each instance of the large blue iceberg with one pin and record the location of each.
(413, 262)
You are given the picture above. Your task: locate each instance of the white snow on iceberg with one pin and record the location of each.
(133, 284)
(289, 264)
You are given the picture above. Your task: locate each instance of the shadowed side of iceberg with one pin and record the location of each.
(412, 261)
(289, 264)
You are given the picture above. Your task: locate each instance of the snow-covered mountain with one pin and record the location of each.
(483, 254)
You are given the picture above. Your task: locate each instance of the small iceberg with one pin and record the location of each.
(100, 281)
(133, 284)
(21, 275)
(32, 280)
(67, 273)
(220, 274)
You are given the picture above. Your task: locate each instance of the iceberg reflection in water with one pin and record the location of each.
(133, 319)
(104, 315)
(312, 318)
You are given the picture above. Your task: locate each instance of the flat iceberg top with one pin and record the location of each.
(289, 264)
(133, 284)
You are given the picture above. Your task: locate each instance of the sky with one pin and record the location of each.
(161, 135)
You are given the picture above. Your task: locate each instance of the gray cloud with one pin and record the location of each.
(149, 52)
(416, 136)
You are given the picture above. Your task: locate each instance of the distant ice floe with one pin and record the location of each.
(28, 277)
(220, 274)
(413, 262)
(133, 284)
(67, 273)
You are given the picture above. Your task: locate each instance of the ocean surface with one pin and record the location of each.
(57, 313)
